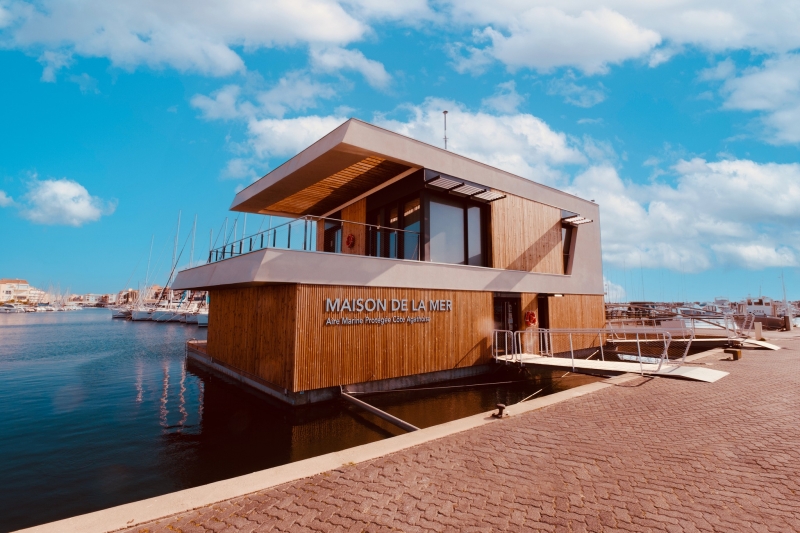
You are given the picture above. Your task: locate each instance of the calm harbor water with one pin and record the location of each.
(96, 412)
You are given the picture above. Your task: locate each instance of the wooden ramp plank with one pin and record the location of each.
(760, 344)
(694, 373)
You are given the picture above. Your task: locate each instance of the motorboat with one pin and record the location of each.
(12, 308)
(120, 312)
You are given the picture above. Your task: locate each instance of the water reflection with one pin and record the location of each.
(96, 413)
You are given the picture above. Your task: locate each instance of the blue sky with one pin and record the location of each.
(682, 121)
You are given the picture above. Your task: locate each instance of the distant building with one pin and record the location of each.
(36, 296)
(91, 299)
(108, 299)
(127, 297)
(14, 289)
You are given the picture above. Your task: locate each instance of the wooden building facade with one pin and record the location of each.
(401, 261)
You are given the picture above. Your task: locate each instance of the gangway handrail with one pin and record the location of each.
(543, 343)
(506, 335)
(687, 335)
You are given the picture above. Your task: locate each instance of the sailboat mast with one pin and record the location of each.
(194, 233)
(177, 231)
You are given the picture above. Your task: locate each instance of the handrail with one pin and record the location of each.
(538, 341)
(269, 239)
(505, 335)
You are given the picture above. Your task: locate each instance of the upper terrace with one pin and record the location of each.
(367, 192)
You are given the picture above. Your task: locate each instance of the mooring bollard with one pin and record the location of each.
(759, 331)
(735, 353)
(499, 413)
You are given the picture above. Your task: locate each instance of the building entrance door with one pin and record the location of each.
(506, 312)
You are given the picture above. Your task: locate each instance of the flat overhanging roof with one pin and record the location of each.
(358, 158)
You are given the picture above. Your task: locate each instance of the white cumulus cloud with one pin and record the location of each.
(62, 202)
(336, 59)
(732, 212)
(549, 34)
(518, 142)
(5, 199)
(198, 35)
(287, 137)
(772, 89)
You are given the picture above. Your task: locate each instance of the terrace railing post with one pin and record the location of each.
(639, 351)
(600, 338)
(262, 240)
(571, 352)
(305, 234)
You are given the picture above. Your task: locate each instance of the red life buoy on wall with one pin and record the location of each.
(530, 318)
(350, 241)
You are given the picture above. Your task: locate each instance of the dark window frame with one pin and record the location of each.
(373, 218)
(466, 203)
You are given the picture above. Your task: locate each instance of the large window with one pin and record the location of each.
(398, 235)
(447, 231)
(414, 222)
(456, 231)
(475, 236)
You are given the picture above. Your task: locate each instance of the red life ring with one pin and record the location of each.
(350, 241)
(530, 318)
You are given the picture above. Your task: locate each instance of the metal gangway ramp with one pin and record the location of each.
(645, 351)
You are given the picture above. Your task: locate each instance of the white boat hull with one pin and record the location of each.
(120, 313)
(141, 314)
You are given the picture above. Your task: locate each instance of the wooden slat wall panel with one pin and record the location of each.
(526, 235)
(340, 355)
(529, 302)
(356, 212)
(253, 329)
(576, 311)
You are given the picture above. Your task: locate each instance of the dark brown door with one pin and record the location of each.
(506, 313)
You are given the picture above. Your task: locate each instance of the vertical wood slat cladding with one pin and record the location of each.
(528, 302)
(526, 235)
(576, 311)
(343, 354)
(356, 212)
(253, 329)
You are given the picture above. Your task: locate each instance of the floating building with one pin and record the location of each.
(400, 261)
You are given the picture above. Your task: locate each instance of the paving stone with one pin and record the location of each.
(646, 455)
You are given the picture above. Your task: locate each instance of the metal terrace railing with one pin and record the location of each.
(727, 325)
(327, 235)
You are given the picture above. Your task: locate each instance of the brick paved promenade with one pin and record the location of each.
(647, 455)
